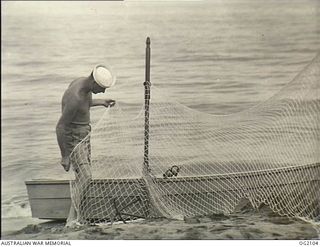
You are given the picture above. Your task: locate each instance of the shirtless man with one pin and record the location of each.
(74, 126)
(76, 102)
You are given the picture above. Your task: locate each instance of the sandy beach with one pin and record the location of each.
(247, 224)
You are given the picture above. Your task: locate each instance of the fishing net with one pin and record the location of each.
(202, 164)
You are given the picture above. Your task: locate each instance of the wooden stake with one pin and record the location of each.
(147, 85)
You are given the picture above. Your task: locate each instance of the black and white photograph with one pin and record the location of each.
(160, 120)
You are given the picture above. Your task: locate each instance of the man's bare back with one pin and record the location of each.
(82, 101)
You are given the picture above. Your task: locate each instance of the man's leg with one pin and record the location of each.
(79, 203)
(84, 176)
(81, 166)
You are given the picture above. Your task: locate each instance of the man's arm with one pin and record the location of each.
(68, 114)
(103, 102)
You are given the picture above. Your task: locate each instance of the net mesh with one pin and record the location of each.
(201, 164)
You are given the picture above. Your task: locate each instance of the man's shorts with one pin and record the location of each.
(78, 144)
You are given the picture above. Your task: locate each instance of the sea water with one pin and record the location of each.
(218, 57)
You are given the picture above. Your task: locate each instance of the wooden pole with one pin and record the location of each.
(147, 85)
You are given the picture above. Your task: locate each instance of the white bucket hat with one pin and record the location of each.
(103, 76)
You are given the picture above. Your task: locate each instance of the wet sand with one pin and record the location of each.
(245, 224)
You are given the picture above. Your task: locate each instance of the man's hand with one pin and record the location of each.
(109, 103)
(65, 162)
